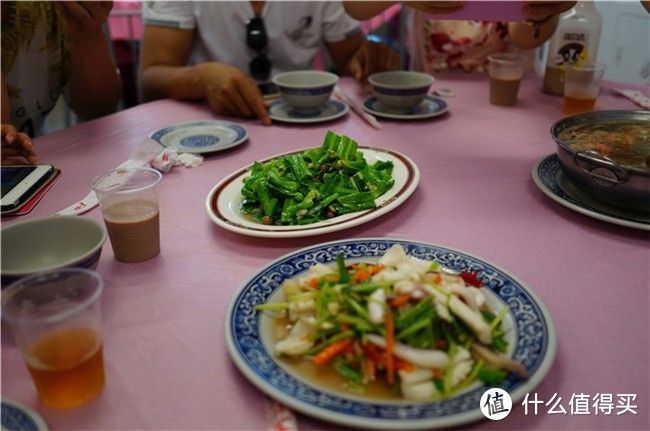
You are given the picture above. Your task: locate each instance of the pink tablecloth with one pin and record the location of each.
(166, 359)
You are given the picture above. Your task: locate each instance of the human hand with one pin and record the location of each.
(539, 10)
(230, 91)
(17, 147)
(370, 58)
(436, 7)
(83, 19)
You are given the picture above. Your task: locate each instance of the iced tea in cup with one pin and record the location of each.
(581, 87)
(128, 198)
(55, 318)
(506, 71)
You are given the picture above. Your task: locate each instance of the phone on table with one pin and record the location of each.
(269, 90)
(21, 182)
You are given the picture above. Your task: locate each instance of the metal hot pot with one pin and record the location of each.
(598, 175)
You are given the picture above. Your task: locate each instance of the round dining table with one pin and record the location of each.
(166, 358)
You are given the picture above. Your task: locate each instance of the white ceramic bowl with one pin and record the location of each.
(306, 91)
(51, 242)
(400, 90)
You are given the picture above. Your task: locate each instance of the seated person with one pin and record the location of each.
(64, 51)
(219, 51)
(438, 45)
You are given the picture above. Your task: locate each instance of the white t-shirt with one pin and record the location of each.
(295, 29)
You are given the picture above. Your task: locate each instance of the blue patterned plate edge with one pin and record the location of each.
(18, 417)
(419, 113)
(545, 175)
(204, 145)
(535, 340)
(339, 110)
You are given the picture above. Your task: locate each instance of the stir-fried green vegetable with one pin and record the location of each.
(315, 185)
(425, 331)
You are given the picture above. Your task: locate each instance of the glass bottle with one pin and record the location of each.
(575, 40)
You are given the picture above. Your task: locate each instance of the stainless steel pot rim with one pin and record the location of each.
(596, 116)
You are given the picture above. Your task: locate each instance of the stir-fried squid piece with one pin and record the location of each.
(412, 323)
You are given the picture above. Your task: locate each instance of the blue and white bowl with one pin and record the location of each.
(400, 90)
(306, 91)
(47, 243)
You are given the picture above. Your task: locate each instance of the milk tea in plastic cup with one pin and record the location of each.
(506, 71)
(128, 198)
(55, 318)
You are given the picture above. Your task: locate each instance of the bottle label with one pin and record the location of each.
(572, 48)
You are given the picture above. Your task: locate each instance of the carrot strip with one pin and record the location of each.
(390, 343)
(331, 351)
(377, 268)
(401, 364)
(360, 276)
(400, 300)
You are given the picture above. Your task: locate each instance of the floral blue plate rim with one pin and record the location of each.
(279, 111)
(247, 339)
(204, 136)
(549, 178)
(18, 417)
(429, 108)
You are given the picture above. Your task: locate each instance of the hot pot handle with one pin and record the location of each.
(600, 167)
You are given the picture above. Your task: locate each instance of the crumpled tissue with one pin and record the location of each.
(170, 157)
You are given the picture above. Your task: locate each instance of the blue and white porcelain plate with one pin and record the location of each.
(18, 417)
(201, 136)
(429, 108)
(549, 178)
(279, 111)
(531, 337)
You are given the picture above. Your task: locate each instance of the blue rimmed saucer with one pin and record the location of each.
(430, 107)
(549, 178)
(201, 136)
(333, 109)
(18, 417)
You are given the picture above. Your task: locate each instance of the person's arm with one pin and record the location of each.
(15, 147)
(164, 74)
(546, 14)
(361, 58)
(363, 10)
(343, 51)
(5, 112)
(95, 83)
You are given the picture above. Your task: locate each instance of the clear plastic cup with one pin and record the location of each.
(506, 70)
(128, 198)
(581, 87)
(55, 318)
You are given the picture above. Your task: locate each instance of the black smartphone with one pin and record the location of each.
(269, 90)
(20, 182)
